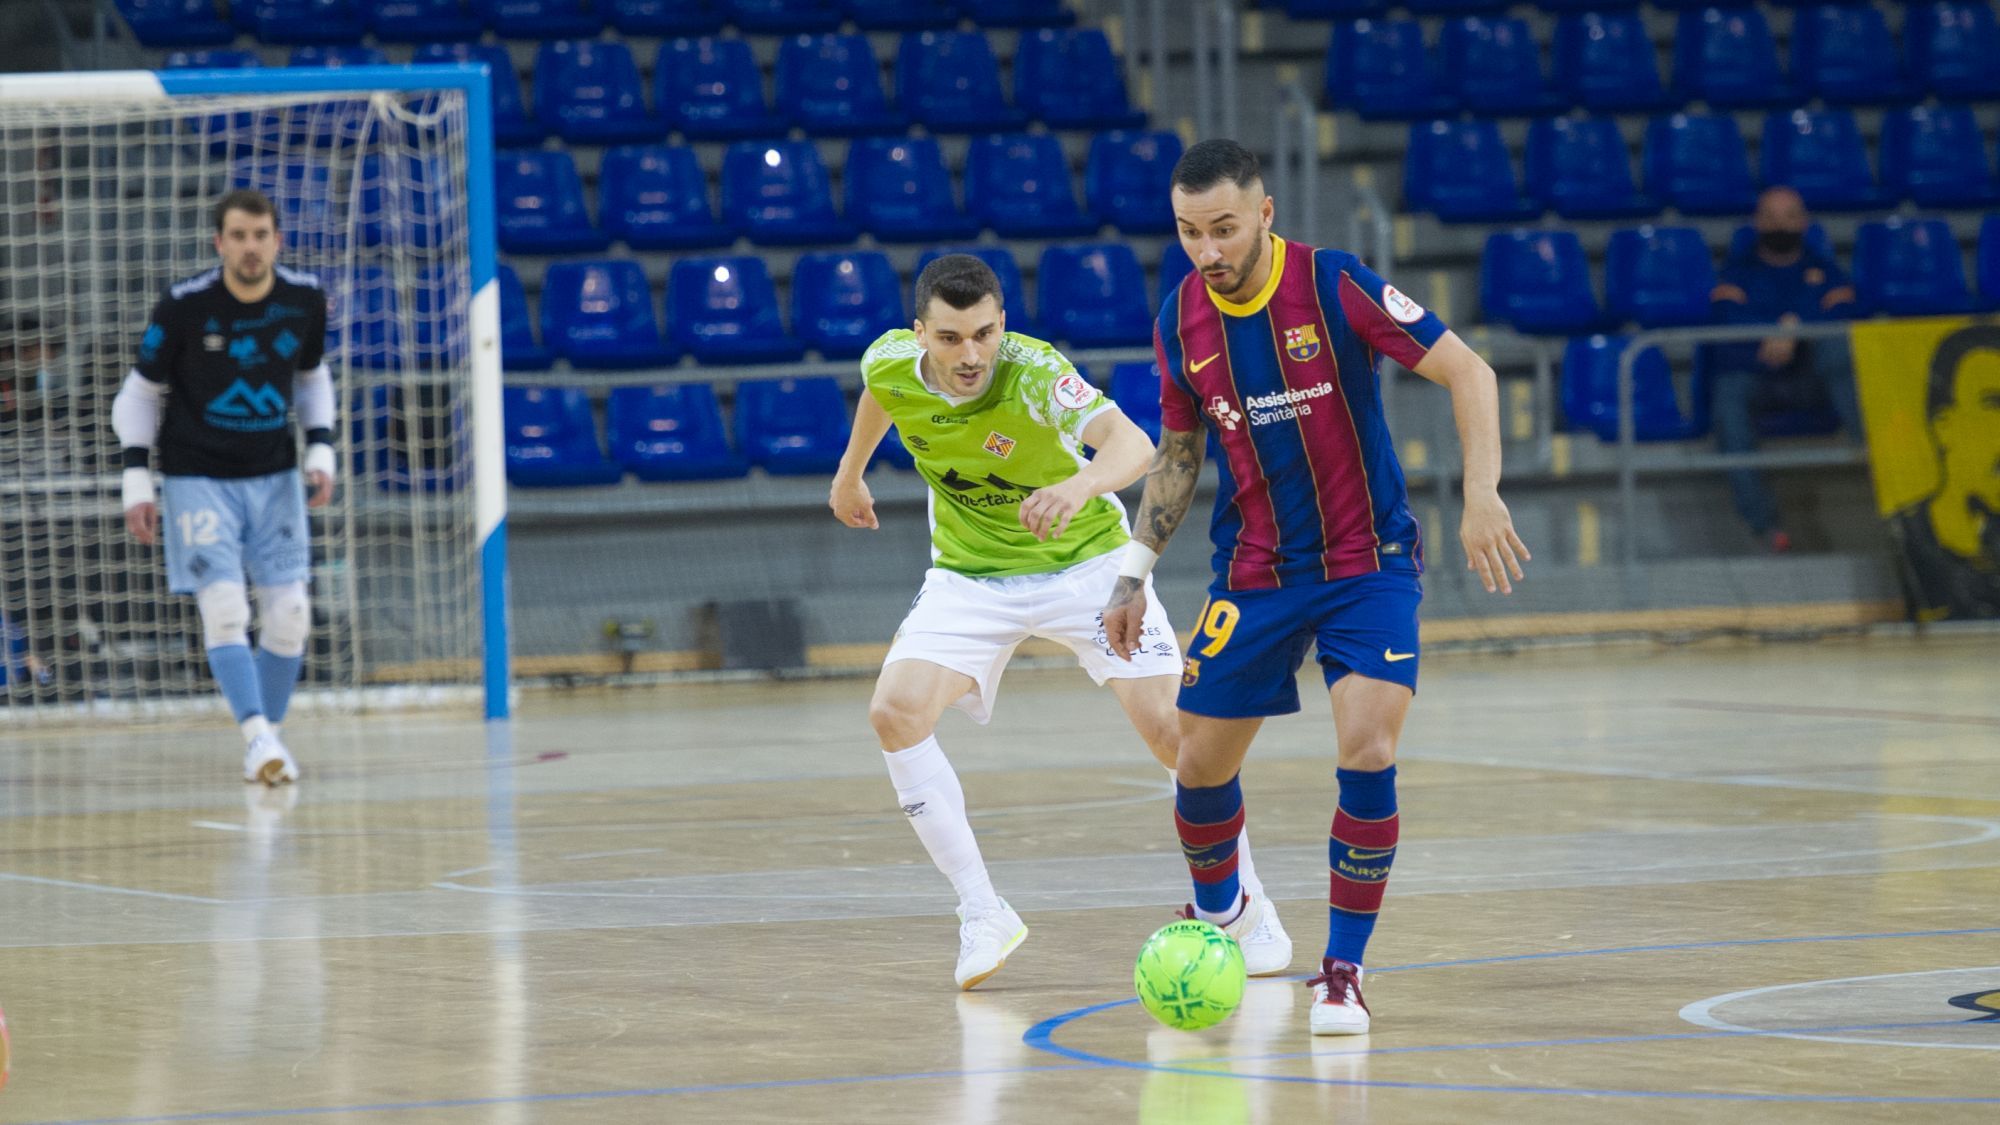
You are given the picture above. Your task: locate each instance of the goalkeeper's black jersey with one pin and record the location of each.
(228, 368)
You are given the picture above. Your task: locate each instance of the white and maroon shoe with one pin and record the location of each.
(1338, 1008)
(1267, 948)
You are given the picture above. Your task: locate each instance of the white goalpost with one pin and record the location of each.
(383, 180)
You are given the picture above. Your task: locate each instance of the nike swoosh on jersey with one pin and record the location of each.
(1195, 368)
(1392, 656)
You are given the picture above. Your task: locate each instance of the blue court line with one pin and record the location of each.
(545, 1099)
(1041, 1036)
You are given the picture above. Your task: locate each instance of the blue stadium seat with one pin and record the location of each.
(725, 310)
(666, 17)
(1069, 79)
(1658, 277)
(843, 300)
(1820, 152)
(336, 56)
(1135, 387)
(1743, 241)
(307, 21)
(784, 17)
(217, 58)
(365, 323)
(1951, 47)
(1335, 9)
(780, 194)
(949, 82)
(1128, 177)
(1842, 53)
(792, 427)
(1605, 62)
(1910, 267)
(177, 23)
(1380, 70)
(588, 92)
(518, 349)
(711, 89)
(1018, 13)
(425, 21)
(902, 15)
(511, 124)
(1494, 65)
(1019, 185)
(831, 85)
(1580, 168)
(599, 316)
(1697, 163)
(1094, 296)
(1561, 7)
(671, 431)
(1936, 156)
(1988, 257)
(1726, 57)
(540, 204)
(898, 191)
(655, 197)
(1013, 294)
(1174, 265)
(1539, 282)
(1460, 172)
(1590, 392)
(552, 439)
(544, 19)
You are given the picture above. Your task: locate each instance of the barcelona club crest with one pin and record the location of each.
(1302, 343)
(1190, 671)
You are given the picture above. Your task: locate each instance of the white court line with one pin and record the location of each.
(167, 895)
(1701, 1012)
(592, 855)
(218, 826)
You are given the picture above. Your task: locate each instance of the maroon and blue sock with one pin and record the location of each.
(1359, 853)
(1209, 821)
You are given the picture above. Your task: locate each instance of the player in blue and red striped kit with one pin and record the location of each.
(1271, 346)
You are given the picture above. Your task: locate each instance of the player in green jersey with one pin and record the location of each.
(1026, 538)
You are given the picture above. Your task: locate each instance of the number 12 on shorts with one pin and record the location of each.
(200, 528)
(1218, 622)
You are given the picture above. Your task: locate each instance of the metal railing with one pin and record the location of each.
(1293, 176)
(1214, 32)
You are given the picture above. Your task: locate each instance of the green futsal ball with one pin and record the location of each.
(1189, 975)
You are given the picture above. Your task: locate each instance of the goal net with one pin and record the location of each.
(109, 183)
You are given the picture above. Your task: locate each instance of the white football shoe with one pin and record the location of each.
(985, 938)
(268, 761)
(1267, 948)
(1337, 1007)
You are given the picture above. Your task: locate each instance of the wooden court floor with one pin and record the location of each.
(1718, 883)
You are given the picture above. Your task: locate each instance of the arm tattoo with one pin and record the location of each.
(1169, 487)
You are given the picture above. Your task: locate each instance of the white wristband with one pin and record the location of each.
(320, 459)
(137, 487)
(1139, 560)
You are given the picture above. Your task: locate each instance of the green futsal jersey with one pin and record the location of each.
(982, 456)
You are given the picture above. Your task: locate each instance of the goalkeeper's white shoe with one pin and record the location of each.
(267, 761)
(985, 938)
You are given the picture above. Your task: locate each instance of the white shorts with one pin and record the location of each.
(972, 625)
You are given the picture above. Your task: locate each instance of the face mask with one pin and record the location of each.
(1781, 242)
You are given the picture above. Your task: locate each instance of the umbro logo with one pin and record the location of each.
(914, 810)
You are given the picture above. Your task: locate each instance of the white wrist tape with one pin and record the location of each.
(137, 486)
(1139, 560)
(320, 459)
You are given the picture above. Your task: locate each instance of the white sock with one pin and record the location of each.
(253, 728)
(928, 790)
(1246, 872)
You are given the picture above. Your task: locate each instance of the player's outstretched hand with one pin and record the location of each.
(853, 503)
(1491, 547)
(143, 521)
(319, 489)
(1047, 513)
(1125, 618)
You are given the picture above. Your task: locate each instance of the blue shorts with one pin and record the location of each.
(218, 529)
(1248, 645)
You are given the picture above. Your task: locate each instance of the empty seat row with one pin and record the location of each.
(1605, 60)
(198, 23)
(723, 310)
(676, 431)
(1352, 9)
(779, 194)
(588, 91)
(1580, 168)
(1662, 277)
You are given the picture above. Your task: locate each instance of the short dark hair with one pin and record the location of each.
(1952, 352)
(1212, 162)
(247, 200)
(959, 280)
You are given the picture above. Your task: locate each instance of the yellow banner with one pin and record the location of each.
(1930, 399)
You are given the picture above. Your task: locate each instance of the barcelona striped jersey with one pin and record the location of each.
(1311, 490)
